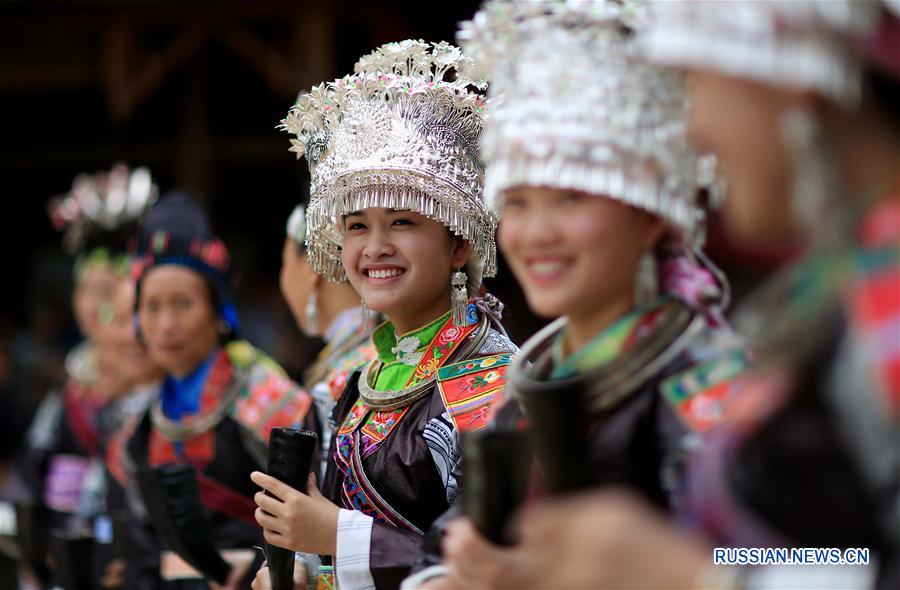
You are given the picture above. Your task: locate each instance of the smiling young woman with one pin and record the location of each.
(398, 262)
(396, 210)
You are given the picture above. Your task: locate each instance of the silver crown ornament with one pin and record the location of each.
(401, 132)
(576, 108)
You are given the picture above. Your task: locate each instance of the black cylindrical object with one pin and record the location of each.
(119, 535)
(497, 468)
(290, 462)
(30, 522)
(558, 417)
(171, 495)
(74, 553)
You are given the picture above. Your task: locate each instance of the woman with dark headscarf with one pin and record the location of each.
(218, 403)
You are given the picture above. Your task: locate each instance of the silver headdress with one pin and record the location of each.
(579, 111)
(296, 225)
(394, 134)
(102, 202)
(806, 44)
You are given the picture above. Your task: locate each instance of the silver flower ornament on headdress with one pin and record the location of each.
(578, 110)
(104, 201)
(395, 134)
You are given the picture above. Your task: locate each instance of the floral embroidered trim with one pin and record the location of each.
(406, 351)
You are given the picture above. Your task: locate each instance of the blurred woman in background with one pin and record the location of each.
(799, 101)
(601, 222)
(100, 214)
(218, 402)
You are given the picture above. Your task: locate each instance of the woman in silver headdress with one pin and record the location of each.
(396, 208)
(598, 192)
(794, 98)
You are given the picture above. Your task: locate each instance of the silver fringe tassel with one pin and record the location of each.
(459, 299)
(395, 189)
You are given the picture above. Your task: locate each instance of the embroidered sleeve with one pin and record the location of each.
(497, 343)
(354, 541)
(472, 388)
(271, 399)
(443, 442)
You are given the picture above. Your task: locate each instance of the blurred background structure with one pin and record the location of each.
(193, 90)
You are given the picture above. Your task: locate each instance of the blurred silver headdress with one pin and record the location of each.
(579, 111)
(394, 134)
(102, 202)
(805, 44)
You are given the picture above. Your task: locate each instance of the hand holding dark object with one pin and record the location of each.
(113, 574)
(172, 497)
(290, 461)
(262, 581)
(474, 562)
(605, 539)
(497, 469)
(294, 520)
(30, 526)
(558, 421)
(74, 553)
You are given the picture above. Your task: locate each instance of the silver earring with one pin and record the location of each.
(459, 298)
(646, 280)
(815, 184)
(311, 315)
(366, 313)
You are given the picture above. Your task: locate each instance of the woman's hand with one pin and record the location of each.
(262, 581)
(474, 562)
(239, 570)
(294, 520)
(610, 539)
(607, 539)
(113, 574)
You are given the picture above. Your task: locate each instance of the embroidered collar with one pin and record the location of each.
(389, 386)
(609, 343)
(610, 383)
(223, 382)
(405, 348)
(181, 397)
